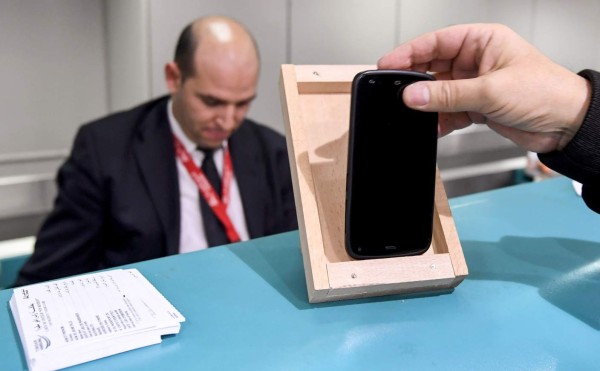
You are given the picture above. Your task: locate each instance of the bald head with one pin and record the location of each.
(215, 39)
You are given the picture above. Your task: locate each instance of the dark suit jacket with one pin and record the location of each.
(118, 196)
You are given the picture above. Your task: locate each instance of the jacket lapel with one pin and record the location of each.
(247, 163)
(155, 154)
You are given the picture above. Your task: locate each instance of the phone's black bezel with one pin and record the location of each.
(412, 76)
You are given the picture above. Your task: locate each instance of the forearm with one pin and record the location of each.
(580, 158)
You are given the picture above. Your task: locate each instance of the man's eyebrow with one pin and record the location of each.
(208, 97)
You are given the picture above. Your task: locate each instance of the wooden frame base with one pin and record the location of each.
(316, 107)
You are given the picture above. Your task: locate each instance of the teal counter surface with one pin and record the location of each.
(531, 301)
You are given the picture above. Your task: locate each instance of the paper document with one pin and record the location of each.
(78, 319)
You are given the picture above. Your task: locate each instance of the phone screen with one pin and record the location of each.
(392, 157)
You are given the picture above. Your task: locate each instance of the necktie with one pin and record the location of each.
(213, 228)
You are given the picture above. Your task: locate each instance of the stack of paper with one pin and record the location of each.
(78, 319)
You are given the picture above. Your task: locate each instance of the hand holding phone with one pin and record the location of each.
(392, 158)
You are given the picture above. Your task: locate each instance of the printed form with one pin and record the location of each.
(78, 319)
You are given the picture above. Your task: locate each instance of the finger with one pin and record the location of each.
(444, 44)
(448, 122)
(447, 95)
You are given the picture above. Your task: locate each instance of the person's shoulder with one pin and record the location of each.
(251, 127)
(259, 138)
(127, 117)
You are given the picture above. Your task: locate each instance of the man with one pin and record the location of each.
(135, 186)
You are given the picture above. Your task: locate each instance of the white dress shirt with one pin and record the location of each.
(192, 235)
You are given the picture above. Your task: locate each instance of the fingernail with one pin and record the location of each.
(417, 94)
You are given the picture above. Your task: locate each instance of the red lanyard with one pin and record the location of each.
(218, 205)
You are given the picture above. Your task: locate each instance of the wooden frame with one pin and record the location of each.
(316, 109)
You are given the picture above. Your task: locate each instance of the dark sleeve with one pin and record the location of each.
(67, 242)
(274, 147)
(287, 190)
(580, 159)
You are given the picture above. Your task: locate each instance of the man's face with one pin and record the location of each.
(211, 104)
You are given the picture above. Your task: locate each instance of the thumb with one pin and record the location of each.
(445, 95)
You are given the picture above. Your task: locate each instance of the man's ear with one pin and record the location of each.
(172, 77)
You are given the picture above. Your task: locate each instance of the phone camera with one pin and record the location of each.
(399, 92)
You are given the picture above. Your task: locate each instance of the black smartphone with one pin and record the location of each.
(392, 158)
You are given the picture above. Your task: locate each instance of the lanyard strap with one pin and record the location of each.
(217, 204)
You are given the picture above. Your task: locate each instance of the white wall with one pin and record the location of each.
(568, 32)
(127, 47)
(53, 73)
(341, 31)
